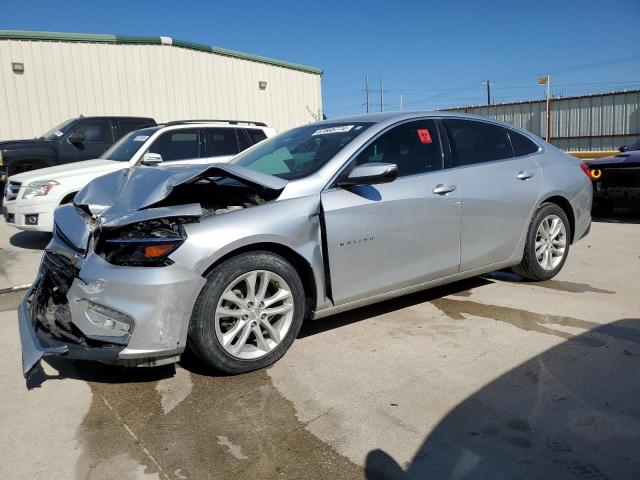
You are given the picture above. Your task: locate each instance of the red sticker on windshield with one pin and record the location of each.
(423, 133)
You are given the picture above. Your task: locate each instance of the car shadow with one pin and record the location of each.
(96, 372)
(621, 215)
(30, 240)
(571, 412)
(341, 320)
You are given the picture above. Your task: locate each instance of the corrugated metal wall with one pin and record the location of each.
(590, 122)
(66, 79)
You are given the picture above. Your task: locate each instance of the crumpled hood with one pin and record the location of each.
(129, 195)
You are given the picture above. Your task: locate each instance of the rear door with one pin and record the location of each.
(498, 190)
(384, 237)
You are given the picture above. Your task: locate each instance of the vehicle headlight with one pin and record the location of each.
(39, 189)
(147, 244)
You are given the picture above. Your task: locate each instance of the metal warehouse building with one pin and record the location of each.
(602, 121)
(47, 77)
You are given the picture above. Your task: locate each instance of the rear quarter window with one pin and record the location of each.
(521, 144)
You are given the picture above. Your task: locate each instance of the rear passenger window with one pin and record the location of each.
(256, 135)
(477, 142)
(521, 144)
(178, 145)
(414, 147)
(221, 141)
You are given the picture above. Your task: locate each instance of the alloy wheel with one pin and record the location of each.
(551, 242)
(254, 314)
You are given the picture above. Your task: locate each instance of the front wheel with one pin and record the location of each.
(547, 244)
(248, 313)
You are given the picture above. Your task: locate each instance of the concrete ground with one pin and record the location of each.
(486, 378)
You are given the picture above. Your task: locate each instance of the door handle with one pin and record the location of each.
(443, 189)
(524, 175)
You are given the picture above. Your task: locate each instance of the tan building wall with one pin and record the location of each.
(66, 75)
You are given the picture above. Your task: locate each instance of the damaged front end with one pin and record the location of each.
(107, 289)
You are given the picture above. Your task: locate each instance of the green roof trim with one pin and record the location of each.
(57, 36)
(135, 39)
(191, 45)
(138, 39)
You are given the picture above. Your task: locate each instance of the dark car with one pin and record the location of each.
(616, 180)
(77, 139)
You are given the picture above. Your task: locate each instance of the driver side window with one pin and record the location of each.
(413, 146)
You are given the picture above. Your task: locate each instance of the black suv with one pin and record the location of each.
(76, 139)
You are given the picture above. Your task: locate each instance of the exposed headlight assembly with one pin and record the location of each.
(39, 189)
(146, 244)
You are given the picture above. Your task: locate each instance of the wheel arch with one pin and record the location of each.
(565, 205)
(297, 261)
(68, 197)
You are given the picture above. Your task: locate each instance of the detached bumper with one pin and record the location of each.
(36, 344)
(152, 304)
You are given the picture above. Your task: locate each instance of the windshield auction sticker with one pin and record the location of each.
(140, 138)
(326, 131)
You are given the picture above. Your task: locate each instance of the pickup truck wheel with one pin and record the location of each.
(248, 313)
(547, 244)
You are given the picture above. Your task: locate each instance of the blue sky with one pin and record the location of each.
(434, 54)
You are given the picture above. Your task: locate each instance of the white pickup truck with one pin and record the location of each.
(31, 197)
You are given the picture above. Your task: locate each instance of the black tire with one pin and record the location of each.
(529, 267)
(202, 339)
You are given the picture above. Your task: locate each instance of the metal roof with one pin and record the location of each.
(134, 39)
(554, 99)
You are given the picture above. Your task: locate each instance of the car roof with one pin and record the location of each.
(207, 124)
(378, 117)
(93, 117)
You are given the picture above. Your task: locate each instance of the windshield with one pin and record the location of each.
(635, 145)
(301, 151)
(127, 146)
(59, 130)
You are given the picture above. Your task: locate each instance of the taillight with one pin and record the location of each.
(586, 170)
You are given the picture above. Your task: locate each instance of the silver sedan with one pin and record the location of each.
(228, 260)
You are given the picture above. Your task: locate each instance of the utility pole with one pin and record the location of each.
(547, 81)
(366, 89)
(400, 102)
(548, 109)
(381, 96)
(488, 84)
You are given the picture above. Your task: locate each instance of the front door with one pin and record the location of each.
(97, 137)
(384, 237)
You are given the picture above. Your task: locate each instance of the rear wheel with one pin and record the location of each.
(547, 244)
(248, 313)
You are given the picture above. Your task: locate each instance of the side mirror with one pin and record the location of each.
(624, 148)
(371, 174)
(76, 138)
(151, 159)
